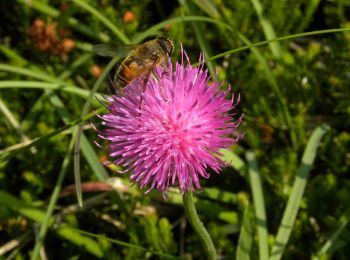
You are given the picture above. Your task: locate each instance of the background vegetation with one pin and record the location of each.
(295, 94)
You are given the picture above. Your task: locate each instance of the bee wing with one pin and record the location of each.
(113, 50)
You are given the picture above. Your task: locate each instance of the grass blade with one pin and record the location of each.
(76, 64)
(12, 55)
(199, 31)
(188, 18)
(125, 244)
(207, 6)
(4, 156)
(103, 19)
(259, 205)
(283, 38)
(53, 200)
(294, 201)
(232, 159)
(88, 151)
(310, 10)
(13, 121)
(246, 237)
(331, 243)
(86, 148)
(79, 129)
(275, 89)
(268, 29)
(44, 85)
(64, 231)
(28, 72)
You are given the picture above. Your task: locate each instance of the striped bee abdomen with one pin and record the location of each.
(128, 70)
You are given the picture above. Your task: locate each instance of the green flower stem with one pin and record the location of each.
(198, 226)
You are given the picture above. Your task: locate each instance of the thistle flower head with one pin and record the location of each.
(169, 131)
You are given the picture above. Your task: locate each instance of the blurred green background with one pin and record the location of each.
(288, 88)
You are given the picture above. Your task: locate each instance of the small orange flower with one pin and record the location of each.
(38, 23)
(51, 30)
(48, 37)
(128, 17)
(68, 44)
(96, 70)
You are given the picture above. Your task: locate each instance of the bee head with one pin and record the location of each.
(166, 44)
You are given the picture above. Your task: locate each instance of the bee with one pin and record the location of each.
(141, 60)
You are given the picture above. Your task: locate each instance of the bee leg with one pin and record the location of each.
(143, 90)
(112, 87)
(165, 68)
(121, 91)
(161, 87)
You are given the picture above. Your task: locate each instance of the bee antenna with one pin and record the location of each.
(110, 78)
(110, 87)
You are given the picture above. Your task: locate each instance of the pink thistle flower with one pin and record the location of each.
(173, 133)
